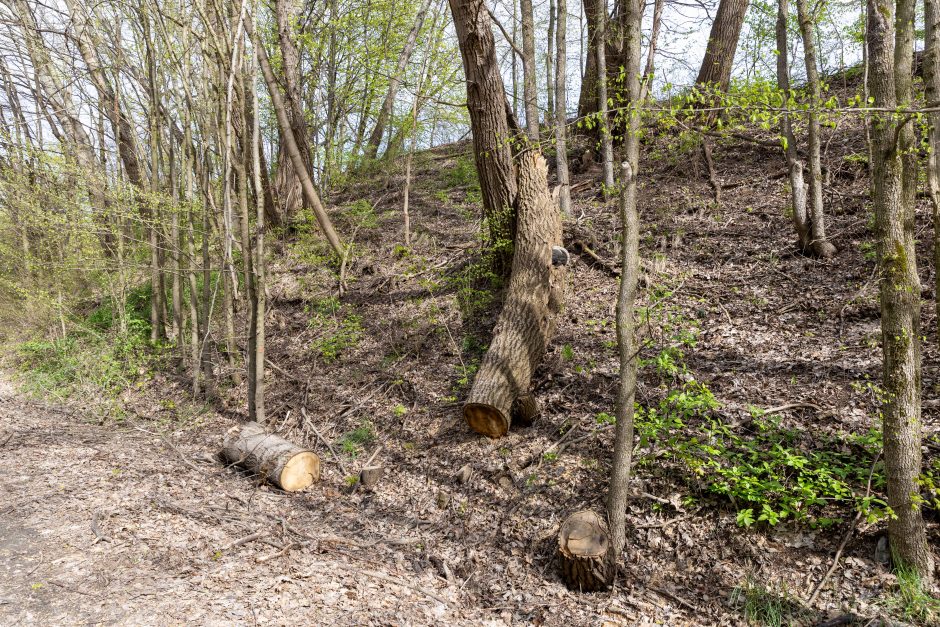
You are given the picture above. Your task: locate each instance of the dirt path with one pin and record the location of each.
(109, 525)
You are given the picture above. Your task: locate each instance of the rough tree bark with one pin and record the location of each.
(486, 103)
(587, 100)
(310, 193)
(722, 44)
(894, 176)
(819, 246)
(534, 295)
(385, 113)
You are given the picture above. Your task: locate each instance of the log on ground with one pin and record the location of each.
(273, 458)
(585, 553)
(526, 322)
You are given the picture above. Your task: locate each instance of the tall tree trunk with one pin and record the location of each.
(630, 268)
(529, 79)
(561, 107)
(587, 102)
(256, 330)
(287, 182)
(385, 113)
(607, 142)
(650, 67)
(486, 103)
(722, 44)
(794, 164)
(550, 65)
(819, 246)
(932, 88)
(326, 225)
(891, 55)
(158, 289)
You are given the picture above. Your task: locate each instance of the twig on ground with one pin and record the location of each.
(845, 540)
(400, 582)
(284, 551)
(339, 460)
(674, 597)
(668, 523)
(780, 408)
(245, 540)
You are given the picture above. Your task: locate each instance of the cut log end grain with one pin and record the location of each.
(486, 419)
(273, 458)
(584, 552)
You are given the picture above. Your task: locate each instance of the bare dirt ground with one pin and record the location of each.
(133, 521)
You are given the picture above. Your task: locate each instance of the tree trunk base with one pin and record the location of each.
(585, 553)
(276, 460)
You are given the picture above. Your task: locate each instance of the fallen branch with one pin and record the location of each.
(399, 582)
(250, 538)
(845, 540)
(339, 460)
(284, 551)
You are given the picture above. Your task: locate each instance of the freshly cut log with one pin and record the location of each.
(585, 552)
(273, 458)
(534, 295)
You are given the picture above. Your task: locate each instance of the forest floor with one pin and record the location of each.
(132, 520)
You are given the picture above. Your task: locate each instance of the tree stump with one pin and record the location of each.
(371, 475)
(525, 410)
(585, 553)
(273, 458)
(534, 295)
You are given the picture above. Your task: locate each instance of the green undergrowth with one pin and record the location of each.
(768, 471)
(763, 606)
(338, 329)
(98, 356)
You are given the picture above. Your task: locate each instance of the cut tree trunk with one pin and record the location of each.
(276, 460)
(584, 552)
(525, 324)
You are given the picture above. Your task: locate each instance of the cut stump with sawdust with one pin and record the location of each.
(273, 458)
(585, 553)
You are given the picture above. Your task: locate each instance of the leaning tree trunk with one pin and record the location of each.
(526, 322)
(385, 113)
(273, 458)
(289, 189)
(893, 178)
(486, 103)
(722, 44)
(794, 164)
(310, 193)
(819, 246)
